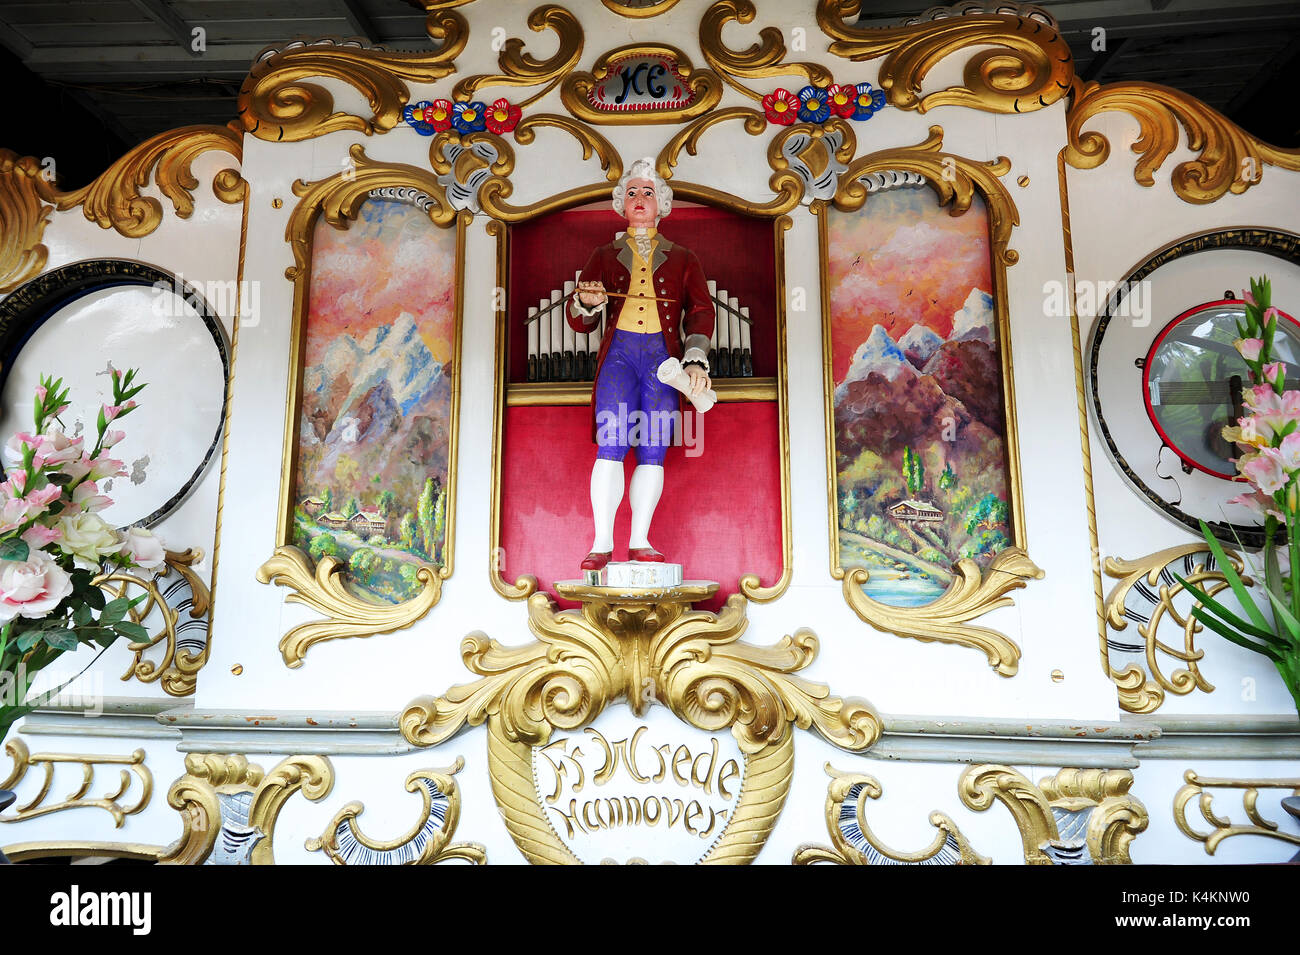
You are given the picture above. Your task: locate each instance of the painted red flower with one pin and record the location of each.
(842, 100)
(438, 114)
(781, 107)
(502, 117)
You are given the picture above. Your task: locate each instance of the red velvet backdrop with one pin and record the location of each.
(736, 251)
(720, 514)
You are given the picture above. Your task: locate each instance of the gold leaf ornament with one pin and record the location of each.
(277, 104)
(1228, 160)
(23, 218)
(765, 58)
(1028, 68)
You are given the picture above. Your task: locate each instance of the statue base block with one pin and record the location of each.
(634, 574)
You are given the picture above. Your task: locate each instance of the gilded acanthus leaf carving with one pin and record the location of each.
(345, 615)
(1228, 159)
(691, 660)
(277, 104)
(1024, 64)
(762, 59)
(22, 220)
(523, 69)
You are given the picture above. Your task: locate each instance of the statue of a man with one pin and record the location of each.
(661, 309)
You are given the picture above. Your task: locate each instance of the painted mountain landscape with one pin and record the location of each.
(377, 387)
(920, 427)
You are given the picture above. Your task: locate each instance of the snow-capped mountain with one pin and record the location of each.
(919, 343)
(879, 353)
(974, 320)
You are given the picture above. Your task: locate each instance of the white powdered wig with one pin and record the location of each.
(644, 169)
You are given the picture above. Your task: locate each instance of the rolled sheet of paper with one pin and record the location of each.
(672, 373)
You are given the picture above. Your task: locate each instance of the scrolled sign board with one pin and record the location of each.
(647, 789)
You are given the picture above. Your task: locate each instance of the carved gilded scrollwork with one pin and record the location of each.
(175, 590)
(114, 200)
(624, 646)
(276, 104)
(955, 179)
(592, 142)
(705, 87)
(639, 9)
(947, 618)
(853, 842)
(22, 220)
(428, 842)
(133, 771)
(762, 59)
(345, 615)
(784, 182)
(1196, 788)
(1228, 159)
(1028, 68)
(1078, 816)
(229, 806)
(522, 69)
(1146, 593)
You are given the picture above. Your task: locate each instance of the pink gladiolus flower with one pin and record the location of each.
(1272, 370)
(15, 445)
(105, 467)
(1270, 313)
(1264, 470)
(1262, 505)
(56, 448)
(111, 438)
(1272, 412)
(112, 411)
(1249, 347)
(1248, 297)
(86, 496)
(41, 393)
(1288, 452)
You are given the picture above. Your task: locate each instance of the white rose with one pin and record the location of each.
(144, 547)
(88, 538)
(31, 587)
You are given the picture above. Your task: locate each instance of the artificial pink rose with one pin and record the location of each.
(1249, 347)
(33, 587)
(1264, 470)
(1272, 371)
(144, 548)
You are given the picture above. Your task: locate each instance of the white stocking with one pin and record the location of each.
(606, 495)
(647, 485)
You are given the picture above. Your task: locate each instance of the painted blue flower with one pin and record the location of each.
(414, 116)
(814, 106)
(869, 100)
(469, 117)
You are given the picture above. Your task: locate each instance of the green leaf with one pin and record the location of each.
(61, 639)
(114, 611)
(94, 597)
(105, 638)
(14, 548)
(1234, 581)
(62, 480)
(1284, 614)
(1226, 615)
(27, 640)
(132, 631)
(1223, 630)
(82, 616)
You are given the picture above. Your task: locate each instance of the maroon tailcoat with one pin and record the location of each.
(676, 275)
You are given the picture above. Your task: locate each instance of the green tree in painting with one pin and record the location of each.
(407, 530)
(385, 502)
(323, 545)
(988, 514)
(913, 471)
(439, 522)
(425, 510)
(363, 564)
(948, 479)
(329, 501)
(351, 508)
